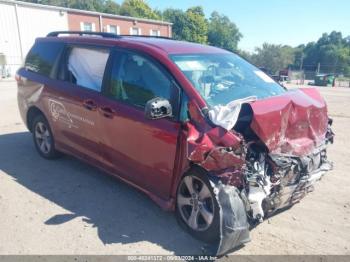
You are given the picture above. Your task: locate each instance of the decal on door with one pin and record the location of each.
(59, 113)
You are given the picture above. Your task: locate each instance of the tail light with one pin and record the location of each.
(18, 78)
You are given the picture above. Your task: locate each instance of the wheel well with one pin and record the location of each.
(207, 174)
(32, 113)
(195, 167)
(199, 169)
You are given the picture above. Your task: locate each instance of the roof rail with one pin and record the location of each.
(102, 34)
(81, 33)
(147, 36)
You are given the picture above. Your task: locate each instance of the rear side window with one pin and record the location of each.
(42, 57)
(87, 66)
(83, 66)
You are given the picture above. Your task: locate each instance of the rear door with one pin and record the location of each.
(140, 149)
(73, 103)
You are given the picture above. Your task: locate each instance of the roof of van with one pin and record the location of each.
(168, 45)
(174, 46)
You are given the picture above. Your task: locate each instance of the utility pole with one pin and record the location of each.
(318, 68)
(19, 33)
(335, 65)
(301, 61)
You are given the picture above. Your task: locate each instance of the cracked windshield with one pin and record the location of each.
(222, 78)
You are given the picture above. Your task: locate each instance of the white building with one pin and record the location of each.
(21, 24)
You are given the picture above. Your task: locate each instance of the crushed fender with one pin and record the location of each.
(213, 148)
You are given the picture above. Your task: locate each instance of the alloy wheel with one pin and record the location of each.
(195, 203)
(43, 137)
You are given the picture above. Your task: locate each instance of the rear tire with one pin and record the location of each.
(197, 209)
(43, 138)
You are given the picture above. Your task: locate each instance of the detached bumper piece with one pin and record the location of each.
(234, 226)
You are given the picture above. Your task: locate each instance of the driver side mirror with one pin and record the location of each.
(158, 108)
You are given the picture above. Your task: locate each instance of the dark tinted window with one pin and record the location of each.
(42, 57)
(136, 79)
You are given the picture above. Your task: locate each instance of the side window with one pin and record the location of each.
(184, 116)
(84, 66)
(42, 57)
(135, 79)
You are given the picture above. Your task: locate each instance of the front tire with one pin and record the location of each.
(43, 138)
(197, 209)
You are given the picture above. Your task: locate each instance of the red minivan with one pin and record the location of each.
(197, 128)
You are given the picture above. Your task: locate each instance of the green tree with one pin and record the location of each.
(273, 57)
(91, 5)
(190, 25)
(244, 54)
(63, 3)
(222, 32)
(197, 25)
(137, 8)
(179, 20)
(299, 56)
(331, 51)
(111, 7)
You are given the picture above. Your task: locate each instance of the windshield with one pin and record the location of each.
(222, 78)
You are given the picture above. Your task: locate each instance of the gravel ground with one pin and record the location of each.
(68, 207)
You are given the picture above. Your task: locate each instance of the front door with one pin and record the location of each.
(141, 150)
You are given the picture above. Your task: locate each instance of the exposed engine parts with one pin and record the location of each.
(258, 184)
(278, 181)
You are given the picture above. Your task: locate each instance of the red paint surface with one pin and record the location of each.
(293, 123)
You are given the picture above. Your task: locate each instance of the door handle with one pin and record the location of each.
(89, 104)
(107, 112)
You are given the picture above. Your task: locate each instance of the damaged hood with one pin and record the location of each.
(294, 123)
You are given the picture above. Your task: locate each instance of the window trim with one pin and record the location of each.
(108, 74)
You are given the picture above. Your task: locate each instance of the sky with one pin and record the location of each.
(290, 22)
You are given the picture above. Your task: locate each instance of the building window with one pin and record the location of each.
(154, 32)
(114, 29)
(135, 31)
(87, 26)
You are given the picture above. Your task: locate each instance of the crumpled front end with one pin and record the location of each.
(276, 181)
(270, 160)
(289, 152)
